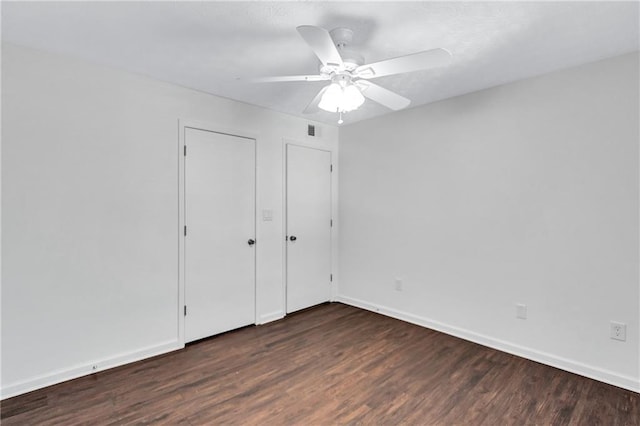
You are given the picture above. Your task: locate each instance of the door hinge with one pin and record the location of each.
(331, 277)
(185, 230)
(185, 150)
(185, 310)
(331, 168)
(331, 223)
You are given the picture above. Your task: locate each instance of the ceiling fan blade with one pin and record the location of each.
(321, 43)
(382, 96)
(313, 105)
(288, 78)
(414, 62)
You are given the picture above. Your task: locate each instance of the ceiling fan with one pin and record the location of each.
(350, 76)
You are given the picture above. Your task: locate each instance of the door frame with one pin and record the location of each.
(285, 194)
(183, 125)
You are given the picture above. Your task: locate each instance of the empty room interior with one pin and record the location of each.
(320, 213)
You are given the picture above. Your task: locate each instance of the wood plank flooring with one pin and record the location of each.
(332, 364)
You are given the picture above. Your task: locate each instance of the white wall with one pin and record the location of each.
(524, 193)
(90, 212)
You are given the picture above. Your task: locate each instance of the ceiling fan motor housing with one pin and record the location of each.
(341, 79)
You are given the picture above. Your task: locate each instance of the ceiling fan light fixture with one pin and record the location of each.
(341, 99)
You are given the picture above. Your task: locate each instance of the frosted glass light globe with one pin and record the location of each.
(332, 98)
(352, 98)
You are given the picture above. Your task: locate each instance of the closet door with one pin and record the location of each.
(219, 233)
(308, 227)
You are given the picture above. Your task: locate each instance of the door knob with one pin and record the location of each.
(293, 238)
(251, 242)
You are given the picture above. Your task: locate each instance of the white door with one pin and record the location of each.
(308, 227)
(220, 229)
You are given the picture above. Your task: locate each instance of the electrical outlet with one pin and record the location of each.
(521, 311)
(398, 284)
(618, 331)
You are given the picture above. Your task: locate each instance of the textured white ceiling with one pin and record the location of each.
(206, 45)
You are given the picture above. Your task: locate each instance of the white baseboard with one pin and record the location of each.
(99, 365)
(610, 377)
(272, 316)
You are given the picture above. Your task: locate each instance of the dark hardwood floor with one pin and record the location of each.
(330, 364)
